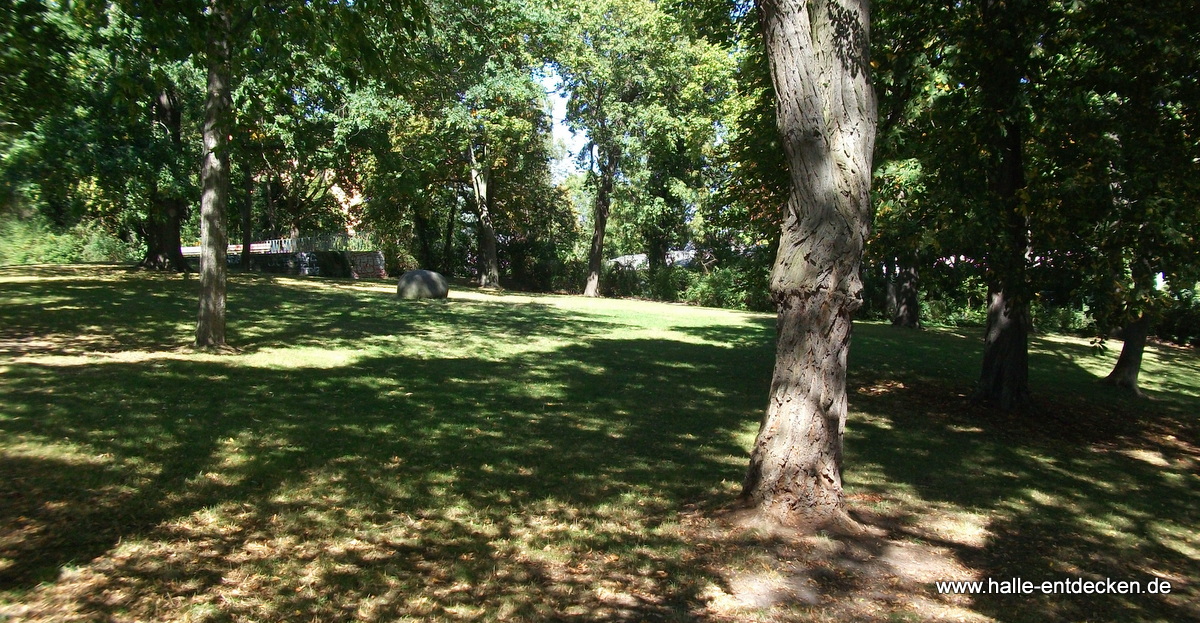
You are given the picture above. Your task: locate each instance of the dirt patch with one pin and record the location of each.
(774, 575)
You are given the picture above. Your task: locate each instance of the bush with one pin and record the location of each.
(1180, 321)
(732, 288)
(31, 241)
(1060, 319)
(951, 314)
(619, 281)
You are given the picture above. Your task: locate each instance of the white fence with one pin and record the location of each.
(320, 242)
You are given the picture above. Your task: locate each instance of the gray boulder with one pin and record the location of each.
(422, 284)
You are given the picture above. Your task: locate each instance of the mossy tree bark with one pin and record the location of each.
(818, 53)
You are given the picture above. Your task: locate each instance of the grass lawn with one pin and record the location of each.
(515, 457)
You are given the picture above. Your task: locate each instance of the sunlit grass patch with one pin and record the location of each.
(531, 458)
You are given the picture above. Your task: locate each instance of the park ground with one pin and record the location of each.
(518, 457)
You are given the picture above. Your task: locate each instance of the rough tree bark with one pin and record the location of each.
(826, 110)
(489, 263)
(214, 182)
(161, 233)
(167, 212)
(1129, 364)
(603, 202)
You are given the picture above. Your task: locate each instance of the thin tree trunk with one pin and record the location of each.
(1129, 364)
(448, 244)
(247, 233)
(826, 114)
(489, 264)
(603, 202)
(214, 181)
(272, 216)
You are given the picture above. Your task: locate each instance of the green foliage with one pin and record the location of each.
(33, 241)
(650, 95)
(1101, 96)
(940, 312)
(740, 285)
(1179, 321)
(1066, 319)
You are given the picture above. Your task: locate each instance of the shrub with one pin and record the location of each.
(32, 241)
(1180, 320)
(1060, 319)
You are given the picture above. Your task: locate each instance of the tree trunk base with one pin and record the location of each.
(592, 289)
(216, 349)
(762, 520)
(1119, 380)
(1129, 365)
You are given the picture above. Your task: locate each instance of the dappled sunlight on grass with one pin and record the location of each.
(506, 456)
(1008, 498)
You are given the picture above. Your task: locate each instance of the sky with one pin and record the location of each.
(563, 135)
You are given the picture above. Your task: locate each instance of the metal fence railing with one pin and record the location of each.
(318, 242)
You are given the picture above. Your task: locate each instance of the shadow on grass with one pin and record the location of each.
(517, 488)
(76, 309)
(546, 483)
(1097, 485)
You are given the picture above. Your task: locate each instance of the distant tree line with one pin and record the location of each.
(1036, 162)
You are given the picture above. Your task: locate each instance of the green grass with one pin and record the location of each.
(543, 458)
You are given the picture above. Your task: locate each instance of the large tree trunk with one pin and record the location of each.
(425, 234)
(1129, 364)
(1005, 377)
(826, 113)
(489, 263)
(603, 202)
(161, 229)
(907, 310)
(214, 181)
(161, 234)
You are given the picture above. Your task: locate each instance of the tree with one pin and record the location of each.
(906, 51)
(358, 38)
(500, 120)
(214, 177)
(1119, 128)
(818, 54)
(624, 64)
